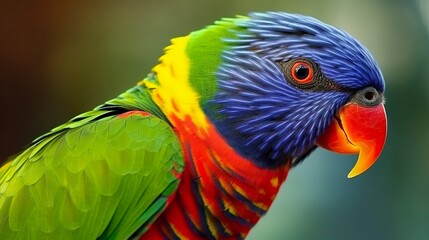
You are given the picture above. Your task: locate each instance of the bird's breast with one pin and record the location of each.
(221, 195)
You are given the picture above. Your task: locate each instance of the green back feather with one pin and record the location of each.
(86, 178)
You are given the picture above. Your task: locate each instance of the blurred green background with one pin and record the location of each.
(60, 58)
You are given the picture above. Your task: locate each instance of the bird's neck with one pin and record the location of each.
(221, 194)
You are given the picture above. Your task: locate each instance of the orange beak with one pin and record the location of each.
(357, 129)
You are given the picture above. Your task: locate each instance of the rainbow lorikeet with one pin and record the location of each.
(199, 148)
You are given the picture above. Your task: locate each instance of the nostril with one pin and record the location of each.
(370, 96)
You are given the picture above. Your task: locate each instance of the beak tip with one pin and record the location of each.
(352, 174)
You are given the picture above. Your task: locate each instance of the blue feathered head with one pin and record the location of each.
(282, 81)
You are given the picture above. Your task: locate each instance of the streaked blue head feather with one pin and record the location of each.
(262, 115)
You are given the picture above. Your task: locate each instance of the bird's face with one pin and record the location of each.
(288, 83)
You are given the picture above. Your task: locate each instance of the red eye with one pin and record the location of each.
(302, 72)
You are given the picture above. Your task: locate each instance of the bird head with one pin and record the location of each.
(278, 85)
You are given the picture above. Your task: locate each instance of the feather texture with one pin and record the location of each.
(107, 178)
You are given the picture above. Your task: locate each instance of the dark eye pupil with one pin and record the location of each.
(369, 96)
(301, 72)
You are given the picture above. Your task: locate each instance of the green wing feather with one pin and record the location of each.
(97, 176)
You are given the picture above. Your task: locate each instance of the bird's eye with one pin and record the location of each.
(302, 72)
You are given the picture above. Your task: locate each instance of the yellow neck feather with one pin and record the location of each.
(173, 92)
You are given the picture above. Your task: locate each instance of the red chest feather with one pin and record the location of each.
(221, 194)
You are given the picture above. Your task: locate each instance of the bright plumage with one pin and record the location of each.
(199, 148)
